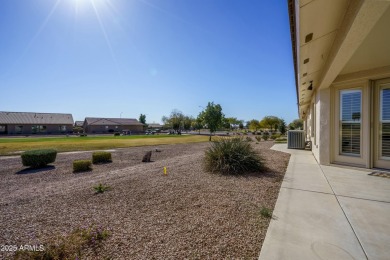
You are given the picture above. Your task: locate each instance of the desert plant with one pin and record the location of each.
(274, 136)
(101, 188)
(82, 165)
(101, 157)
(281, 140)
(258, 138)
(266, 212)
(71, 246)
(248, 139)
(38, 158)
(232, 156)
(265, 136)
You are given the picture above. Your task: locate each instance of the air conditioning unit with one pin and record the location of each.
(296, 139)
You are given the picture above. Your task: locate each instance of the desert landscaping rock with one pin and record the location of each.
(147, 157)
(187, 214)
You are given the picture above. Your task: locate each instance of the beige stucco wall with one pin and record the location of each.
(318, 126)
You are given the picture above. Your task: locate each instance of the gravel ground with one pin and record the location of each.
(187, 214)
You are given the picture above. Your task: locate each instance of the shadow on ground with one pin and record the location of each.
(36, 170)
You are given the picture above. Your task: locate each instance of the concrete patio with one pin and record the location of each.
(327, 212)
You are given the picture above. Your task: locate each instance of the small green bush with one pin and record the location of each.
(274, 136)
(117, 134)
(101, 188)
(265, 136)
(232, 156)
(82, 165)
(38, 158)
(83, 135)
(258, 138)
(101, 157)
(248, 139)
(266, 212)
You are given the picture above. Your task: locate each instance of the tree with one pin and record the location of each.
(142, 119)
(226, 123)
(176, 119)
(213, 117)
(271, 122)
(187, 122)
(296, 124)
(165, 120)
(282, 126)
(198, 122)
(254, 125)
(241, 125)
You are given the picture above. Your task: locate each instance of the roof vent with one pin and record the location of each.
(306, 61)
(308, 37)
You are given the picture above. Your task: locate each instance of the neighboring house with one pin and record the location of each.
(341, 55)
(155, 126)
(26, 123)
(79, 123)
(110, 125)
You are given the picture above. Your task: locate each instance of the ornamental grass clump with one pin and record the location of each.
(232, 156)
(38, 158)
(101, 157)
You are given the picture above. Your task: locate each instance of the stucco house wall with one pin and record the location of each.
(341, 56)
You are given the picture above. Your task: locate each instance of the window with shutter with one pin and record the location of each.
(350, 121)
(385, 122)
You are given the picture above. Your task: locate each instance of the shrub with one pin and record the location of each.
(274, 136)
(117, 134)
(101, 188)
(101, 157)
(38, 158)
(232, 156)
(265, 136)
(83, 135)
(248, 139)
(258, 138)
(82, 165)
(71, 246)
(266, 212)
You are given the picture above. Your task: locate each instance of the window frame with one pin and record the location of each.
(341, 122)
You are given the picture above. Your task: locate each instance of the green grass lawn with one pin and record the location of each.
(11, 146)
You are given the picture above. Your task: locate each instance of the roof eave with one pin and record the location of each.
(293, 27)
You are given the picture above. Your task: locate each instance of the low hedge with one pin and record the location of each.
(82, 165)
(39, 158)
(101, 157)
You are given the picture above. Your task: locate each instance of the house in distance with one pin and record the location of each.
(26, 123)
(93, 125)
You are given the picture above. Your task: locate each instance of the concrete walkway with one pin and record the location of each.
(327, 212)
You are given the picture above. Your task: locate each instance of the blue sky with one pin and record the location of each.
(111, 58)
